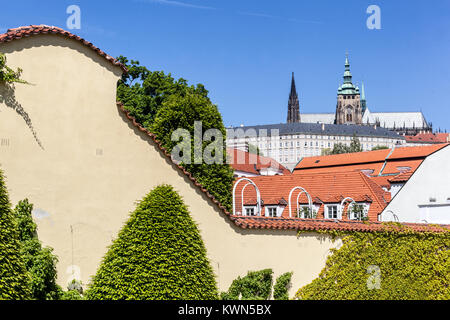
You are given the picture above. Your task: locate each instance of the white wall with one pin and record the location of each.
(425, 197)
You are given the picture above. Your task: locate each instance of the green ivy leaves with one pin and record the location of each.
(412, 266)
(158, 255)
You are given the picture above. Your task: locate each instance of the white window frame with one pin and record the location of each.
(351, 214)
(248, 208)
(314, 209)
(267, 208)
(337, 211)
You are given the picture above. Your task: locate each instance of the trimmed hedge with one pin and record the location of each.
(14, 278)
(385, 266)
(158, 255)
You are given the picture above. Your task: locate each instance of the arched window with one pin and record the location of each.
(349, 117)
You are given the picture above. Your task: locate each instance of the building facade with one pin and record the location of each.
(425, 197)
(289, 143)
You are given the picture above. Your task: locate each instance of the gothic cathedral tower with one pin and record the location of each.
(348, 108)
(293, 104)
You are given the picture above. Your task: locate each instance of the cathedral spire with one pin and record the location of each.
(347, 73)
(363, 99)
(293, 104)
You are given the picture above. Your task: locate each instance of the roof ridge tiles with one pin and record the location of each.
(31, 30)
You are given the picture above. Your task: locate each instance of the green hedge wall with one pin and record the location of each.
(385, 266)
(14, 278)
(158, 255)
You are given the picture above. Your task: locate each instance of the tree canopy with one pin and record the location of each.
(162, 104)
(340, 148)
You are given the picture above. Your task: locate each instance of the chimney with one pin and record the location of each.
(323, 126)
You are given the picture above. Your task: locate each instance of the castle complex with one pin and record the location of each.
(351, 108)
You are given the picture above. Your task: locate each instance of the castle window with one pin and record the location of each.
(349, 117)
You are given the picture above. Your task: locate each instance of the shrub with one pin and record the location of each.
(158, 255)
(40, 262)
(411, 266)
(256, 285)
(14, 278)
(281, 287)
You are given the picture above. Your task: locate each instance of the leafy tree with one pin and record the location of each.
(163, 105)
(281, 287)
(386, 265)
(158, 255)
(379, 148)
(40, 262)
(340, 148)
(180, 112)
(15, 281)
(254, 149)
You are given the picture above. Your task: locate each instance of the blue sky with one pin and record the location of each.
(244, 51)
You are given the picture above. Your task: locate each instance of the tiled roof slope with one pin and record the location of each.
(323, 187)
(403, 177)
(343, 159)
(251, 163)
(28, 31)
(429, 138)
(359, 158)
(330, 225)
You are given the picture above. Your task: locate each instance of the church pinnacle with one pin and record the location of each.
(293, 104)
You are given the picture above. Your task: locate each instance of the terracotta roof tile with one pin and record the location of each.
(403, 177)
(26, 31)
(252, 163)
(429, 138)
(324, 225)
(322, 187)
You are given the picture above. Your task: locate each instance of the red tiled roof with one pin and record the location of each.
(382, 181)
(415, 152)
(429, 138)
(323, 225)
(27, 31)
(252, 163)
(343, 159)
(370, 159)
(403, 177)
(325, 187)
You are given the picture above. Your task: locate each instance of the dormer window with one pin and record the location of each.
(271, 211)
(331, 212)
(250, 211)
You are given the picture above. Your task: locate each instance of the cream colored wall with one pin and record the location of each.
(82, 198)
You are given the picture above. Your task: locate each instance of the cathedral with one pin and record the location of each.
(351, 108)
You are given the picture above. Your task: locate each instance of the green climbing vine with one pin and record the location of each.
(395, 264)
(8, 75)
